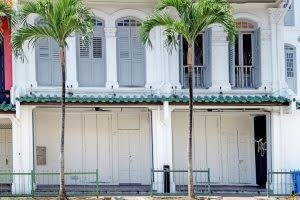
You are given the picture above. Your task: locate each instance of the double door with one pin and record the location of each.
(5, 153)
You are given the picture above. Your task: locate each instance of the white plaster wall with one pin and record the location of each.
(285, 141)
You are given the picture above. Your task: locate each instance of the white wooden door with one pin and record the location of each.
(230, 167)
(244, 150)
(129, 166)
(5, 153)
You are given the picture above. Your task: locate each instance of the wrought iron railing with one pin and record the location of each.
(283, 183)
(199, 77)
(175, 182)
(244, 77)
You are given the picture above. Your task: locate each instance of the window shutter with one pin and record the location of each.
(257, 58)
(84, 62)
(98, 58)
(207, 58)
(55, 64)
(124, 56)
(138, 59)
(289, 18)
(44, 71)
(231, 64)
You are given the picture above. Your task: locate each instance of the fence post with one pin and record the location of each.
(208, 181)
(268, 184)
(97, 182)
(32, 183)
(151, 185)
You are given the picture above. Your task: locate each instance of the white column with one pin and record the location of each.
(266, 62)
(111, 58)
(22, 129)
(277, 51)
(162, 144)
(153, 63)
(220, 66)
(30, 60)
(71, 62)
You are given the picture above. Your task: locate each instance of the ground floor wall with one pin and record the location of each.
(125, 143)
(222, 142)
(116, 142)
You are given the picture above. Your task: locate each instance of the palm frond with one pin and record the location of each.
(8, 12)
(31, 34)
(157, 19)
(60, 18)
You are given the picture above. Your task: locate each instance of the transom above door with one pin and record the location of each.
(131, 54)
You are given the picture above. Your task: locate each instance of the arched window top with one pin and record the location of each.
(289, 47)
(245, 24)
(98, 22)
(128, 21)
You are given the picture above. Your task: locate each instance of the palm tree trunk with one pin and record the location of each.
(190, 133)
(62, 189)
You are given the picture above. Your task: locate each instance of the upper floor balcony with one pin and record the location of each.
(115, 60)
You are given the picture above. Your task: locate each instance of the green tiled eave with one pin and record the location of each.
(298, 105)
(217, 100)
(4, 107)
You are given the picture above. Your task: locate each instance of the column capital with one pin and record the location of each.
(276, 14)
(110, 32)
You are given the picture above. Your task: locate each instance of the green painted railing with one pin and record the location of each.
(283, 183)
(47, 183)
(174, 182)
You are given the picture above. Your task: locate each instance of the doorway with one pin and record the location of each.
(260, 133)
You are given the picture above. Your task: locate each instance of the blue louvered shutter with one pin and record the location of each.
(231, 64)
(84, 62)
(289, 18)
(44, 71)
(124, 56)
(257, 58)
(55, 64)
(98, 57)
(91, 58)
(207, 58)
(138, 72)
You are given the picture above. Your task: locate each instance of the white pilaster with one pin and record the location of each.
(162, 144)
(71, 62)
(111, 58)
(266, 63)
(220, 66)
(277, 51)
(22, 129)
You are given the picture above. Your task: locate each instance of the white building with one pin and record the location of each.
(127, 104)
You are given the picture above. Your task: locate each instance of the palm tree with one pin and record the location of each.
(60, 18)
(190, 18)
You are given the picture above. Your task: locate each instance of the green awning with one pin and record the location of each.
(5, 107)
(153, 100)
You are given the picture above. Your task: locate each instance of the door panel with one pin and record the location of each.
(124, 158)
(244, 157)
(6, 153)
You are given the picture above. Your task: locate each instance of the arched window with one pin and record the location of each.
(201, 61)
(47, 62)
(244, 56)
(91, 58)
(131, 54)
(290, 67)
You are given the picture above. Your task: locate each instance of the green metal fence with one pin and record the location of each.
(174, 182)
(47, 183)
(282, 183)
